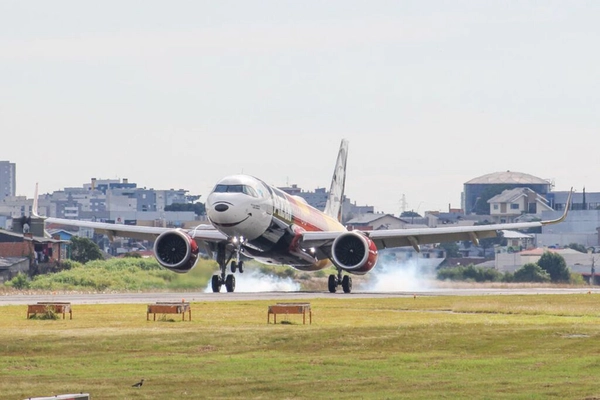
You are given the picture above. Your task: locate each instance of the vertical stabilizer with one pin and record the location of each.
(333, 207)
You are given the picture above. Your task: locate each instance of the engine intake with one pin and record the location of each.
(176, 251)
(354, 252)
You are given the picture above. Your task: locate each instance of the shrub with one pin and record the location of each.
(21, 281)
(49, 313)
(64, 265)
(531, 272)
(132, 254)
(469, 273)
(576, 279)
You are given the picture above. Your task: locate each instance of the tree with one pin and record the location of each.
(451, 249)
(556, 267)
(84, 250)
(531, 272)
(579, 247)
(408, 214)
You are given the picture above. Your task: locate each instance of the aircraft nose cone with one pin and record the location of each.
(221, 207)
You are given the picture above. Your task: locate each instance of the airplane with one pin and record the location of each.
(251, 219)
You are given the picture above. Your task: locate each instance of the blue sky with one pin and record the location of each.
(430, 94)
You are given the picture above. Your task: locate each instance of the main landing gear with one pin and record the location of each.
(335, 281)
(223, 278)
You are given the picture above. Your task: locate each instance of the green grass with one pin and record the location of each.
(501, 347)
(134, 274)
(125, 274)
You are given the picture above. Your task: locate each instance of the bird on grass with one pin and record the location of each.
(139, 384)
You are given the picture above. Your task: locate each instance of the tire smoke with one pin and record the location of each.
(252, 281)
(394, 276)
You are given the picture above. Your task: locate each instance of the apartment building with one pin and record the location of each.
(8, 179)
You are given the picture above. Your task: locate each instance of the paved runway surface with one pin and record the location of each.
(121, 298)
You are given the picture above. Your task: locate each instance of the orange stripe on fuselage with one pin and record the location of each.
(311, 219)
(308, 218)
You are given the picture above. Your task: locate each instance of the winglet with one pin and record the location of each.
(34, 208)
(564, 216)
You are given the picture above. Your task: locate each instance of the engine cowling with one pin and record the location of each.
(354, 252)
(176, 251)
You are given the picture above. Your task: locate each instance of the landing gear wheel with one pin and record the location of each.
(332, 283)
(216, 283)
(230, 283)
(240, 267)
(233, 266)
(347, 284)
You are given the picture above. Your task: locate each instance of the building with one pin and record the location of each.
(11, 266)
(579, 200)
(38, 250)
(318, 200)
(513, 203)
(518, 241)
(575, 260)
(580, 226)
(115, 200)
(8, 179)
(376, 222)
(476, 188)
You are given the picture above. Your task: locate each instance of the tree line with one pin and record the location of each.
(551, 267)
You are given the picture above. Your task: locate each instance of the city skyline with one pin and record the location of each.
(312, 195)
(429, 94)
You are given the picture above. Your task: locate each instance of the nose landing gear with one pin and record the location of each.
(223, 278)
(239, 265)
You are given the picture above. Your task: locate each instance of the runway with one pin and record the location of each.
(148, 297)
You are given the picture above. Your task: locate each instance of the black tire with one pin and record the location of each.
(241, 267)
(230, 283)
(216, 283)
(347, 284)
(332, 283)
(233, 266)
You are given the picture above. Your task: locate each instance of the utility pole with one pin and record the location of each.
(593, 271)
(403, 204)
(592, 275)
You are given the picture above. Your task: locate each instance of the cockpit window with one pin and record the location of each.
(249, 190)
(236, 189)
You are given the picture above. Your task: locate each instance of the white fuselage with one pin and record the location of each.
(266, 220)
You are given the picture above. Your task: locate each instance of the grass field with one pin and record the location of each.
(504, 347)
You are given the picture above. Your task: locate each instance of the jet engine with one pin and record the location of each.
(176, 251)
(354, 252)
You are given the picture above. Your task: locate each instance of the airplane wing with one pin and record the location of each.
(384, 239)
(202, 233)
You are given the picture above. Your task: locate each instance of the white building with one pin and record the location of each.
(511, 204)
